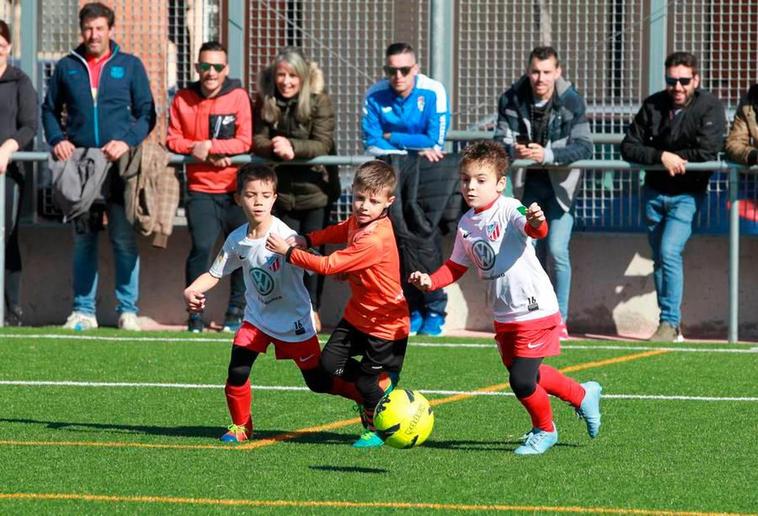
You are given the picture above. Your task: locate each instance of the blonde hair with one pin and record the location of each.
(270, 110)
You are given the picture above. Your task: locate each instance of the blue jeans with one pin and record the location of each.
(125, 255)
(669, 225)
(555, 247)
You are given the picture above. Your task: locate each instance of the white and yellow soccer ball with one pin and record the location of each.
(403, 418)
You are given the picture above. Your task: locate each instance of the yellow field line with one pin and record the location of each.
(441, 401)
(348, 505)
(295, 434)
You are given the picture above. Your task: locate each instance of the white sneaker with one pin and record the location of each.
(80, 321)
(128, 321)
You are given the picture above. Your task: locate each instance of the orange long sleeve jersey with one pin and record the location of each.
(377, 306)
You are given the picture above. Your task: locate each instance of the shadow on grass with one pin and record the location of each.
(485, 446)
(349, 469)
(213, 432)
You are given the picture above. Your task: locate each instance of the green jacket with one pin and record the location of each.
(301, 187)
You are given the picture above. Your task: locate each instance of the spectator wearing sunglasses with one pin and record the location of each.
(680, 124)
(408, 114)
(407, 111)
(541, 117)
(211, 119)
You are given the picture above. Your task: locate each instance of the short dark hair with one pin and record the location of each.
(211, 46)
(399, 48)
(543, 53)
(5, 32)
(96, 10)
(253, 172)
(375, 176)
(485, 153)
(682, 59)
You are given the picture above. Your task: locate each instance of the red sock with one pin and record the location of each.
(346, 389)
(560, 385)
(238, 399)
(538, 406)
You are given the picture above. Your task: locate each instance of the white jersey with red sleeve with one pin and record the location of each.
(494, 242)
(277, 301)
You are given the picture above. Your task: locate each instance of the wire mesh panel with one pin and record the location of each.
(347, 40)
(723, 34)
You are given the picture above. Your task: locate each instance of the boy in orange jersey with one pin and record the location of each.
(376, 322)
(495, 238)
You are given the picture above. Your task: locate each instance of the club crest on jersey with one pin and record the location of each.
(493, 231)
(483, 255)
(273, 263)
(263, 281)
(420, 103)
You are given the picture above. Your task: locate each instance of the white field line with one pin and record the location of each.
(460, 345)
(30, 383)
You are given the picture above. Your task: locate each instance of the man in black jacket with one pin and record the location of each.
(679, 124)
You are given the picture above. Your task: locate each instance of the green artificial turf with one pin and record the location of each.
(154, 449)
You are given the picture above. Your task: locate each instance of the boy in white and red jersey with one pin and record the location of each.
(278, 306)
(494, 237)
(376, 321)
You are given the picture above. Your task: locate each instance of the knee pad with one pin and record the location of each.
(522, 387)
(238, 374)
(317, 379)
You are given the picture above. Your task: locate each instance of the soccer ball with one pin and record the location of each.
(403, 418)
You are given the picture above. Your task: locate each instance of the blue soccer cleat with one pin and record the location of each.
(432, 325)
(589, 410)
(416, 321)
(538, 441)
(368, 439)
(237, 433)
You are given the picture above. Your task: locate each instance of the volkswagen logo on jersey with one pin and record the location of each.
(493, 231)
(264, 283)
(420, 102)
(484, 255)
(273, 263)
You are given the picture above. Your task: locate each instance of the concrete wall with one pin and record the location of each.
(612, 293)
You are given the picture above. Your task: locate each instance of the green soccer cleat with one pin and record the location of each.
(368, 439)
(538, 441)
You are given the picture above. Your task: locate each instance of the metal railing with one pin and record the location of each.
(733, 170)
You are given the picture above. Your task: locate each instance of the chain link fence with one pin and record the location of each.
(603, 46)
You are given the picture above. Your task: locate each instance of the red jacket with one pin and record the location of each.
(226, 120)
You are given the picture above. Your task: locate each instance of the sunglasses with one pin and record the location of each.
(684, 81)
(391, 70)
(206, 67)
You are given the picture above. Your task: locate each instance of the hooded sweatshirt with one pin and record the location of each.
(18, 108)
(225, 120)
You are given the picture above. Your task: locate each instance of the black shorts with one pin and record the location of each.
(378, 354)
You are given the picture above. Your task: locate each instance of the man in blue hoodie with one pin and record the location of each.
(108, 106)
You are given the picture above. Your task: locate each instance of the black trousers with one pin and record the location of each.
(208, 216)
(14, 189)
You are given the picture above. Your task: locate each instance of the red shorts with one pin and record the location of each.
(305, 354)
(529, 339)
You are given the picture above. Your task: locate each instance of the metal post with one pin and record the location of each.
(29, 35)
(657, 45)
(734, 254)
(236, 39)
(441, 46)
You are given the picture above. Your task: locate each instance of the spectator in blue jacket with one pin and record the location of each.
(409, 113)
(108, 105)
(541, 117)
